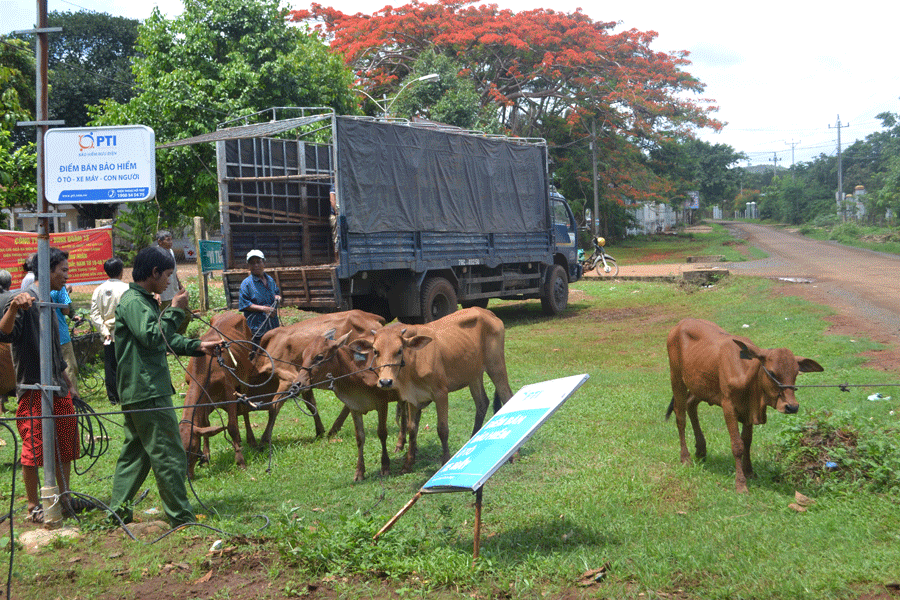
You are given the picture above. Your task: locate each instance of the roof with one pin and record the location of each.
(248, 131)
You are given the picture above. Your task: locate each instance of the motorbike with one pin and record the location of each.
(599, 260)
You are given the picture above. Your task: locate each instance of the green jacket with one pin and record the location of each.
(141, 336)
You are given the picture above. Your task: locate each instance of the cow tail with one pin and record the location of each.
(498, 404)
(671, 408)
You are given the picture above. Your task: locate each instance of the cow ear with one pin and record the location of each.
(747, 353)
(329, 335)
(808, 365)
(361, 346)
(417, 342)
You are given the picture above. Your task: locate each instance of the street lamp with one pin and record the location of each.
(386, 108)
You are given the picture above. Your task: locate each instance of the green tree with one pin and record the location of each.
(17, 154)
(90, 60)
(452, 99)
(217, 60)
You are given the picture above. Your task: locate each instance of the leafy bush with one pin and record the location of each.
(840, 452)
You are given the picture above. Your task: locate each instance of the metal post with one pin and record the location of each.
(595, 226)
(477, 535)
(50, 491)
(200, 234)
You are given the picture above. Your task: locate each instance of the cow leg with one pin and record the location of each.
(274, 409)
(251, 437)
(680, 396)
(310, 400)
(339, 422)
(441, 405)
(412, 430)
(234, 432)
(382, 436)
(360, 431)
(699, 438)
(481, 402)
(401, 417)
(747, 438)
(495, 365)
(737, 447)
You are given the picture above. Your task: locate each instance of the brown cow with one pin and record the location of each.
(209, 382)
(220, 385)
(284, 346)
(706, 364)
(443, 356)
(329, 362)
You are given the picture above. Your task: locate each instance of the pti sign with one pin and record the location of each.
(84, 165)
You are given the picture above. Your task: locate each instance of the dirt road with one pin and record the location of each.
(861, 285)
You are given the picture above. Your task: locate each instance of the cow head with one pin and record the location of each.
(319, 357)
(389, 352)
(776, 376)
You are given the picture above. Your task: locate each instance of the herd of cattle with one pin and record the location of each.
(369, 365)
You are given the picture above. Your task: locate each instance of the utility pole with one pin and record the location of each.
(47, 318)
(840, 194)
(595, 226)
(792, 144)
(774, 160)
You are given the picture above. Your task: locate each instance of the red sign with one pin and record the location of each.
(88, 250)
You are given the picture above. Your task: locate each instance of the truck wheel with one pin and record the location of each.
(555, 298)
(438, 299)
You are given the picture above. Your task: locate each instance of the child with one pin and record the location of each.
(152, 439)
(20, 325)
(103, 315)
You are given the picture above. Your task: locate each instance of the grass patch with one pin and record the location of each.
(599, 485)
(660, 249)
(880, 239)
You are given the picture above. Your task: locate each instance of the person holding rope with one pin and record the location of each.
(259, 297)
(142, 337)
(20, 326)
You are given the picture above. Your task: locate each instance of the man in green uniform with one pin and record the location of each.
(145, 388)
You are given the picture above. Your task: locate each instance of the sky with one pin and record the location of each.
(783, 74)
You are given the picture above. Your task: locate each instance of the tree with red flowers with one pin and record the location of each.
(529, 66)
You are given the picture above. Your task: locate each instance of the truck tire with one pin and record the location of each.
(438, 299)
(555, 298)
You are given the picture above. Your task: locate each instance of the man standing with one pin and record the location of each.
(103, 315)
(164, 241)
(20, 325)
(152, 440)
(259, 296)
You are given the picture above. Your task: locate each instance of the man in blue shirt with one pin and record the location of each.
(259, 296)
(61, 296)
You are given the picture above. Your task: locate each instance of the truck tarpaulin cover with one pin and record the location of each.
(402, 178)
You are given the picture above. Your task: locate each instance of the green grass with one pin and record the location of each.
(599, 484)
(880, 239)
(658, 249)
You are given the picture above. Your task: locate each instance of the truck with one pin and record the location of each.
(428, 216)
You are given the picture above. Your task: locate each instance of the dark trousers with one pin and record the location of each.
(109, 372)
(152, 441)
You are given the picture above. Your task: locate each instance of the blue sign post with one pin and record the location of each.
(495, 443)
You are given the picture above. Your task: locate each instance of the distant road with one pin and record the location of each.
(860, 284)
